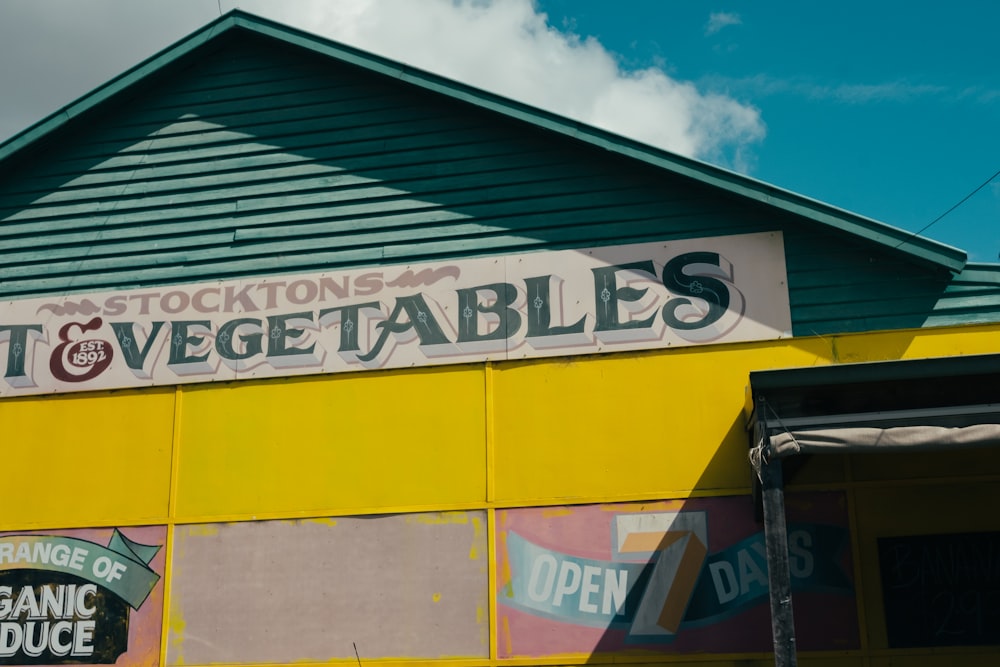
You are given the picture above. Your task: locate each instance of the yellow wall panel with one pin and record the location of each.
(86, 459)
(917, 343)
(630, 425)
(663, 422)
(347, 442)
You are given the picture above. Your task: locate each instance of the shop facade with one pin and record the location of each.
(313, 358)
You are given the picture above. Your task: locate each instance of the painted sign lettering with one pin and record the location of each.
(67, 599)
(632, 297)
(675, 576)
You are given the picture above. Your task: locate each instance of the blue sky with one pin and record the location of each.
(886, 109)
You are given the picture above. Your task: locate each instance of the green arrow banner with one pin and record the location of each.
(122, 567)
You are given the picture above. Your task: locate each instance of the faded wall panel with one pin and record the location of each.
(89, 459)
(281, 591)
(357, 441)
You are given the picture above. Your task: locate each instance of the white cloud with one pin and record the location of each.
(64, 49)
(719, 20)
(507, 47)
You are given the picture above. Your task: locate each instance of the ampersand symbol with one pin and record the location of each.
(94, 354)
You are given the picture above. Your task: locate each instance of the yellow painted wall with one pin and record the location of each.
(636, 426)
(630, 426)
(86, 459)
(322, 445)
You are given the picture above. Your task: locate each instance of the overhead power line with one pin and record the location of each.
(962, 201)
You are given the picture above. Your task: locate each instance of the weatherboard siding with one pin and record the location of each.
(258, 159)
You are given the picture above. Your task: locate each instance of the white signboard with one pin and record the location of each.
(608, 299)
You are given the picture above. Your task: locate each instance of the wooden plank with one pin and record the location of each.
(584, 227)
(371, 199)
(138, 244)
(902, 305)
(515, 219)
(337, 183)
(297, 176)
(551, 239)
(188, 266)
(848, 291)
(983, 300)
(319, 93)
(502, 240)
(260, 166)
(378, 229)
(226, 143)
(984, 315)
(371, 120)
(184, 273)
(826, 273)
(350, 142)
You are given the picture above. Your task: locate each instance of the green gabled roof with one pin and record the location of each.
(866, 229)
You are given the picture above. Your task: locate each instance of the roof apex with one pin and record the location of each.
(918, 248)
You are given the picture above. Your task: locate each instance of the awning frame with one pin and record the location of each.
(947, 392)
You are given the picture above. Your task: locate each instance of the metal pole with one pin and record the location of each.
(776, 542)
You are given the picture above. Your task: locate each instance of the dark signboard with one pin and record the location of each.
(59, 618)
(941, 590)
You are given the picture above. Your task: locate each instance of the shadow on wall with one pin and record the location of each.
(675, 577)
(668, 577)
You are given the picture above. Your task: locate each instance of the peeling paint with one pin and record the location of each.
(439, 518)
(323, 521)
(556, 511)
(202, 530)
(175, 656)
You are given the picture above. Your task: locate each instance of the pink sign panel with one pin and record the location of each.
(670, 576)
(87, 596)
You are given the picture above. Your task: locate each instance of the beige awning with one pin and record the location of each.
(861, 439)
(905, 405)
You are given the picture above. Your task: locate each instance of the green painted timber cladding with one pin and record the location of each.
(250, 157)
